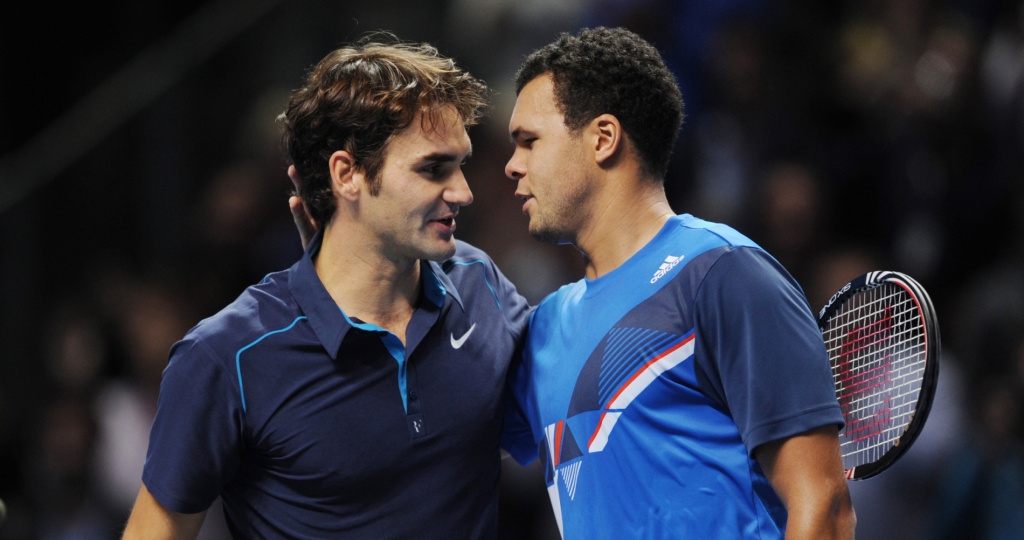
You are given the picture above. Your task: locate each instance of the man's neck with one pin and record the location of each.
(622, 222)
(365, 283)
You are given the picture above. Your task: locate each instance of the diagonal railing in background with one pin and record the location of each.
(72, 135)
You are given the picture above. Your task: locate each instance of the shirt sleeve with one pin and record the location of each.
(195, 441)
(517, 437)
(514, 306)
(764, 360)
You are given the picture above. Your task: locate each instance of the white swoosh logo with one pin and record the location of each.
(457, 343)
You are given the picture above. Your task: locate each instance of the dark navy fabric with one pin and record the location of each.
(310, 424)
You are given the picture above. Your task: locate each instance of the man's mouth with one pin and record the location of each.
(446, 225)
(526, 201)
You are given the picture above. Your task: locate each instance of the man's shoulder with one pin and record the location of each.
(464, 251)
(719, 251)
(725, 233)
(555, 301)
(466, 262)
(260, 308)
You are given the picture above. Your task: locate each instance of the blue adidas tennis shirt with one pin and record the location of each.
(645, 391)
(310, 424)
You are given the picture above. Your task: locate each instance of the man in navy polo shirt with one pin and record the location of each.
(357, 394)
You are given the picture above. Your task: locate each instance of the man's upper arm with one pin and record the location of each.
(760, 354)
(806, 471)
(196, 435)
(150, 520)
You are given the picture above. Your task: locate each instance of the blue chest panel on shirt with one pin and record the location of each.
(625, 319)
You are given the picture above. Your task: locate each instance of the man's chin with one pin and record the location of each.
(440, 252)
(548, 236)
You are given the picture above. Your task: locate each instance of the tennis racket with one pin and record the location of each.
(882, 338)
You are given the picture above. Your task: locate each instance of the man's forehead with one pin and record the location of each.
(444, 135)
(533, 113)
(440, 118)
(521, 117)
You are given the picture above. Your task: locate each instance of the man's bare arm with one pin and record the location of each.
(806, 472)
(151, 521)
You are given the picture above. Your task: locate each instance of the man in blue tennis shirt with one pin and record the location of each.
(357, 394)
(681, 389)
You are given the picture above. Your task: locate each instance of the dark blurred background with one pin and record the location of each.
(142, 188)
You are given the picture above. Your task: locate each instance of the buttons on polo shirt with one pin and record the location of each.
(413, 396)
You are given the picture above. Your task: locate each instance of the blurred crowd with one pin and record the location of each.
(841, 136)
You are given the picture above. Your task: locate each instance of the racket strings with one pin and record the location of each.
(876, 345)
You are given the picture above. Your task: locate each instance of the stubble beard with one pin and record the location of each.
(416, 247)
(563, 223)
(566, 216)
(435, 252)
(548, 236)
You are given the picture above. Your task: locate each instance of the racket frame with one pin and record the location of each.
(926, 311)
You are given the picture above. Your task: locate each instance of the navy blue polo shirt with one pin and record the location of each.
(310, 424)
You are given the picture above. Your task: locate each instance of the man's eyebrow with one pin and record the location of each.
(442, 157)
(520, 133)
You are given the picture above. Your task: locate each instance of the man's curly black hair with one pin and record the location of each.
(613, 71)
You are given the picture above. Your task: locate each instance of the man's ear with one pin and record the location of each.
(346, 178)
(608, 138)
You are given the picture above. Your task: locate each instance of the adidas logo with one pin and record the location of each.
(669, 264)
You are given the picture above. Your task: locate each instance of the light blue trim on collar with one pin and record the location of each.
(433, 288)
(394, 346)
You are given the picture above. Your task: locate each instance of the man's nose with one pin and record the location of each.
(514, 169)
(458, 192)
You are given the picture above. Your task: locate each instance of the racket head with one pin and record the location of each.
(883, 342)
